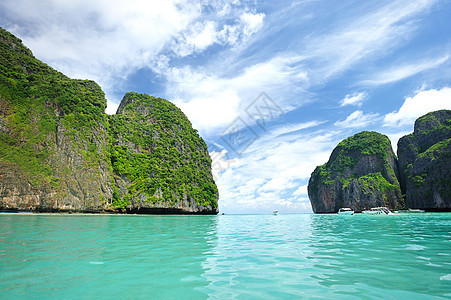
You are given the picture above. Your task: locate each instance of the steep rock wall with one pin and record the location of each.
(361, 173)
(54, 144)
(159, 160)
(60, 152)
(425, 162)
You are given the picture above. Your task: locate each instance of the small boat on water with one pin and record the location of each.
(412, 210)
(275, 212)
(345, 211)
(378, 211)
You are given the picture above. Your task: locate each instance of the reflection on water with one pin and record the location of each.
(225, 257)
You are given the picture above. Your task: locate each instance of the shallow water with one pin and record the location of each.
(225, 257)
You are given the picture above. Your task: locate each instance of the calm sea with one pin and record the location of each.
(405, 256)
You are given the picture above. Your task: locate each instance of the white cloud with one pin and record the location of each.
(418, 105)
(245, 26)
(252, 23)
(357, 119)
(301, 191)
(405, 71)
(277, 184)
(353, 99)
(274, 170)
(96, 39)
(220, 163)
(211, 102)
(394, 138)
(207, 113)
(200, 36)
(290, 128)
(105, 41)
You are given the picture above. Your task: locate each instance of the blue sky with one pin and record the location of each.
(272, 86)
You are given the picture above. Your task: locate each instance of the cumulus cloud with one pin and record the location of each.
(357, 119)
(212, 102)
(220, 163)
(418, 105)
(105, 41)
(271, 172)
(200, 36)
(353, 99)
(301, 191)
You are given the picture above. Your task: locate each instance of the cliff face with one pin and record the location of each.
(425, 162)
(361, 173)
(59, 150)
(159, 160)
(54, 145)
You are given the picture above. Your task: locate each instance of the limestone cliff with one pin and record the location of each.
(425, 162)
(361, 173)
(159, 160)
(59, 151)
(53, 138)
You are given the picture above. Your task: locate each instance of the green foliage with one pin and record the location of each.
(117, 202)
(34, 99)
(155, 146)
(419, 180)
(434, 122)
(348, 152)
(378, 181)
(152, 143)
(437, 150)
(366, 143)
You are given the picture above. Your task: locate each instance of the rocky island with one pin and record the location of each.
(424, 158)
(60, 152)
(363, 172)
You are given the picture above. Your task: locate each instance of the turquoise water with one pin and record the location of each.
(405, 256)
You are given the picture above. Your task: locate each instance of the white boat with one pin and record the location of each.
(275, 212)
(378, 211)
(412, 210)
(345, 211)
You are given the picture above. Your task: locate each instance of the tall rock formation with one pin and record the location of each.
(361, 173)
(53, 140)
(425, 162)
(159, 160)
(59, 151)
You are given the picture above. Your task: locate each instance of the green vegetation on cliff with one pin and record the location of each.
(34, 100)
(424, 160)
(59, 151)
(360, 173)
(349, 151)
(155, 146)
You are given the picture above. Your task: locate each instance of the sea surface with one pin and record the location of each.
(405, 256)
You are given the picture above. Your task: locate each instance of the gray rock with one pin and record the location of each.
(361, 173)
(425, 162)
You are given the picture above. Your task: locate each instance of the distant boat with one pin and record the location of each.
(275, 212)
(345, 211)
(378, 211)
(411, 210)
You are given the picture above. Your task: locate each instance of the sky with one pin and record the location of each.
(272, 86)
